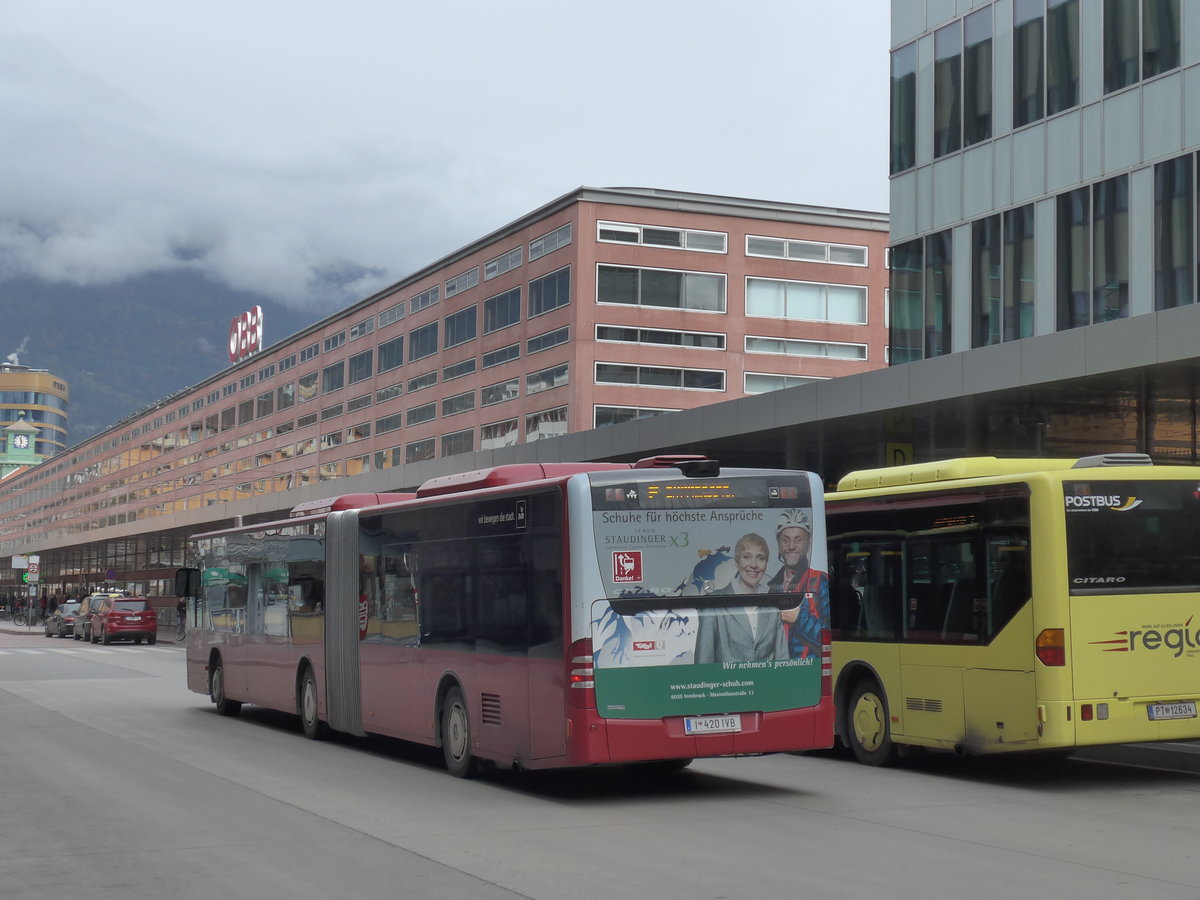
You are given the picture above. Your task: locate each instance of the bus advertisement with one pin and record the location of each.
(985, 605)
(533, 616)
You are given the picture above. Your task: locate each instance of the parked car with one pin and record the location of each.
(61, 622)
(124, 618)
(87, 609)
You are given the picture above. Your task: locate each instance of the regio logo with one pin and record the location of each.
(1178, 638)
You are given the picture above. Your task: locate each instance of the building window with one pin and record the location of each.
(358, 403)
(806, 251)
(920, 294)
(502, 310)
(334, 341)
(660, 376)
(287, 362)
(1141, 40)
(264, 404)
(499, 434)
(428, 380)
(359, 432)
(362, 329)
(459, 403)
(548, 243)
(458, 442)
(1092, 254)
(625, 334)
(549, 292)
(977, 77)
(459, 369)
(795, 347)
(660, 236)
(547, 424)
(310, 352)
(500, 392)
(332, 412)
(247, 381)
(1002, 270)
(555, 376)
(505, 262)
(333, 378)
(460, 327)
(360, 366)
(463, 282)
(245, 412)
(615, 415)
(541, 342)
(1046, 58)
(266, 372)
(502, 355)
(305, 421)
(425, 298)
(763, 382)
(947, 89)
(1062, 55)
(393, 314)
(427, 412)
(1175, 233)
(423, 342)
(285, 396)
(306, 387)
(389, 393)
(389, 423)
(391, 354)
(904, 108)
(805, 300)
(419, 451)
(660, 288)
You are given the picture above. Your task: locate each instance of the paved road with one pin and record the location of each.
(116, 782)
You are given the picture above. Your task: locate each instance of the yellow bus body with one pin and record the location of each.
(1121, 652)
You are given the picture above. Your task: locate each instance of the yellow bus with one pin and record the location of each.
(987, 605)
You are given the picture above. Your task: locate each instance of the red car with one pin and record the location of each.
(124, 618)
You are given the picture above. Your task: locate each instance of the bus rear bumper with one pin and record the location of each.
(593, 740)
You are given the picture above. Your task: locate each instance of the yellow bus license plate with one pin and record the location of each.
(1184, 710)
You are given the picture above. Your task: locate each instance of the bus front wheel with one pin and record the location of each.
(216, 690)
(456, 736)
(868, 730)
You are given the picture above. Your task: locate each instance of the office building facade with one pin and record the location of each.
(604, 306)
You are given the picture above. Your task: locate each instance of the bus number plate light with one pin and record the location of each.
(1184, 710)
(711, 724)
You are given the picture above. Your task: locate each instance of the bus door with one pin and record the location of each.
(225, 598)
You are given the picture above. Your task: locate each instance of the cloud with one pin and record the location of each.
(314, 157)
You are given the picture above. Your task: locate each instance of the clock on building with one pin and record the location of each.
(20, 441)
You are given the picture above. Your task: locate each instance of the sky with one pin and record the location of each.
(315, 153)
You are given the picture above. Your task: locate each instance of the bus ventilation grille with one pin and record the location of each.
(490, 708)
(921, 704)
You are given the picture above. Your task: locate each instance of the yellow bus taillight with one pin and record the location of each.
(1051, 648)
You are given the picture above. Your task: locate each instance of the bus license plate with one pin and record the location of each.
(1184, 710)
(711, 724)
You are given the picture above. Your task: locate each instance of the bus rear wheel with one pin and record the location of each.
(867, 728)
(216, 690)
(456, 736)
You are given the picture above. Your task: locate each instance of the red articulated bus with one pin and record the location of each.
(533, 616)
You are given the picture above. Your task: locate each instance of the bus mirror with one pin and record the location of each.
(187, 582)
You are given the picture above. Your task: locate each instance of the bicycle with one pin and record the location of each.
(180, 630)
(23, 617)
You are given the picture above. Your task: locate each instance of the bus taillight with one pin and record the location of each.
(826, 663)
(581, 675)
(1051, 647)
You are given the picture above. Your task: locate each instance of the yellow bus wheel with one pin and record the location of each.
(867, 729)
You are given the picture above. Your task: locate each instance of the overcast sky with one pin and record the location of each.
(315, 152)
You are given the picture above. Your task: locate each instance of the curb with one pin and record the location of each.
(1171, 756)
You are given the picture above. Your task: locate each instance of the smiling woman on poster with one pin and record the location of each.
(742, 633)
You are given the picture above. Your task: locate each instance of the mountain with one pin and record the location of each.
(123, 347)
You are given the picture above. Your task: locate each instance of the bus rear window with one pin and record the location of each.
(1132, 536)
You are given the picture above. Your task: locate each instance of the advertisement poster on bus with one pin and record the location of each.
(710, 610)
